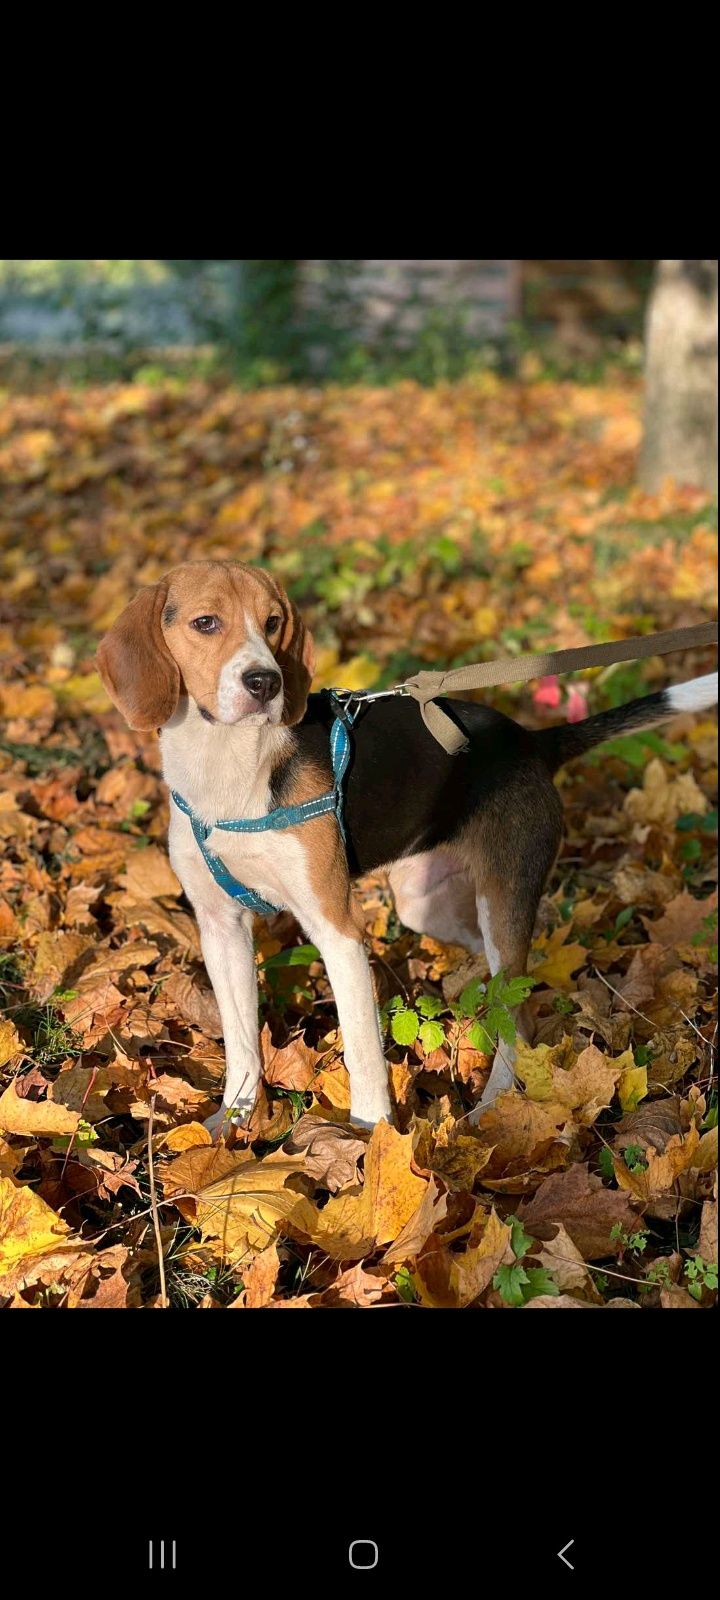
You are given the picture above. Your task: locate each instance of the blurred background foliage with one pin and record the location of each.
(275, 321)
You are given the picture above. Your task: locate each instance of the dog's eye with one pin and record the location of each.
(205, 624)
(272, 624)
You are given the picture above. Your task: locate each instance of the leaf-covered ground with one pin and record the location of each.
(415, 527)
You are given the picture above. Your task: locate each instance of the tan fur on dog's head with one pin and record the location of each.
(156, 652)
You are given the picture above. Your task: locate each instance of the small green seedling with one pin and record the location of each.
(628, 1241)
(483, 1010)
(515, 1283)
(701, 1275)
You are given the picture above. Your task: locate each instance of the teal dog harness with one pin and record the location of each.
(283, 816)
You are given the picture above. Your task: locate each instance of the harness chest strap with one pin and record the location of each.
(274, 821)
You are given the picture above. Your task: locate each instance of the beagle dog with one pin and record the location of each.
(216, 657)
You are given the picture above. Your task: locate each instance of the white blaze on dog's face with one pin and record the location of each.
(225, 634)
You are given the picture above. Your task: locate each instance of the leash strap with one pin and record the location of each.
(517, 669)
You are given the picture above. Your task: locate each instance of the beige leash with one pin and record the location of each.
(517, 669)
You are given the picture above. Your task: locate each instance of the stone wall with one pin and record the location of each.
(397, 299)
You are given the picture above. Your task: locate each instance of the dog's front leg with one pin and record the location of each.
(348, 969)
(229, 953)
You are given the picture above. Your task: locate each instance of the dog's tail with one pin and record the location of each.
(560, 744)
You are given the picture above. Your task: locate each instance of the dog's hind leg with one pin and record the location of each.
(511, 864)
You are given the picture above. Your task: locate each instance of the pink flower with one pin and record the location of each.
(547, 693)
(576, 708)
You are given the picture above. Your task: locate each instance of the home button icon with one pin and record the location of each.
(363, 1555)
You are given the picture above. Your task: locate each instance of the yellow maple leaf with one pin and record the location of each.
(239, 1204)
(633, 1083)
(350, 1226)
(28, 1228)
(553, 962)
(40, 1117)
(11, 1044)
(584, 1085)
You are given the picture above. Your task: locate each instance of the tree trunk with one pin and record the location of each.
(681, 390)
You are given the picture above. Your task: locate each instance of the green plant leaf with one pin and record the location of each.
(510, 1283)
(516, 990)
(405, 1026)
(473, 996)
(540, 1281)
(428, 1005)
(431, 1035)
(301, 955)
(498, 1023)
(520, 1241)
(480, 1039)
(405, 1286)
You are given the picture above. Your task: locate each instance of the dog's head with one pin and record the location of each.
(223, 633)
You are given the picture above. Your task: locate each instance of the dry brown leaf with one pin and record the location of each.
(635, 884)
(260, 1278)
(292, 1066)
(148, 875)
(586, 1209)
(643, 975)
(444, 1279)
(83, 1091)
(10, 1159)
(353, 1288)
(456, 1155)
(683, 917)
(557, 1302)
(154, 918)
(108, 1281)
(175, 1101)
(586, 1087)
(331, 1151)
(58, 958)
(562, 1258)
(185, 997)
(706, 1155)
(331, 1086)
(662, 1170)
(653, 1124)
(708, 1240)
(553, 961)
(522, 1133)
(674, 1298)
(187, 1137)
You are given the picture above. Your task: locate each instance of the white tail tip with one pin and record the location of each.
(696, 695)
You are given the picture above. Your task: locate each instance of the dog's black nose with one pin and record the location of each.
(262, 683)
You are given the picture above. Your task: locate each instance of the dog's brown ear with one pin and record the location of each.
(296, 658)
(136, 667)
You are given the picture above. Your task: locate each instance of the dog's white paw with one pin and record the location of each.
(226, 1117)
(367, 1117)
